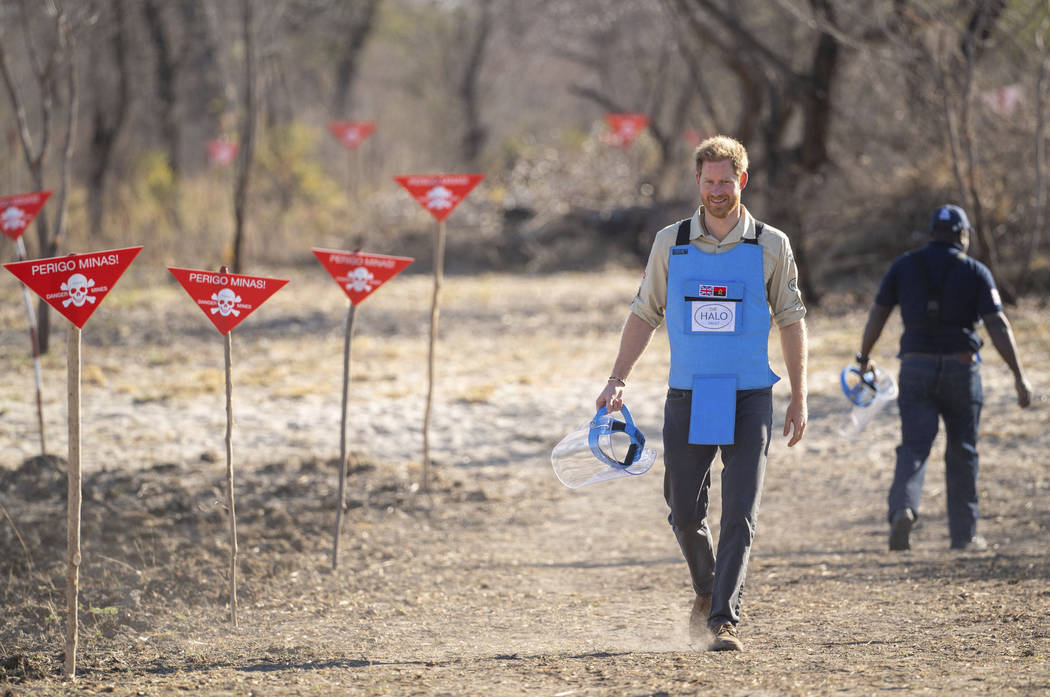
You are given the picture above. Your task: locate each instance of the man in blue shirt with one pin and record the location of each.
(943, 295)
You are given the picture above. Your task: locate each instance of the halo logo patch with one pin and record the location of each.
(714, 317)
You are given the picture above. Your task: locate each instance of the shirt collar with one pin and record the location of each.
(743, 230)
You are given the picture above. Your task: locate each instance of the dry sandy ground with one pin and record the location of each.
(500, 581)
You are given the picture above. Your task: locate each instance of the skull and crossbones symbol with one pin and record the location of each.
(77, 286)
(352, 135)
(14, 218)
(226, 299)
(360, 280)
(438, 198)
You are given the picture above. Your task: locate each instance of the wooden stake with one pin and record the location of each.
(343, 455)
(351, 181)
(34, 339)
(359, 167)
(73, 502)
(229, 475)
(439, 260)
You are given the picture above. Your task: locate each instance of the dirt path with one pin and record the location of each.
(502, 581)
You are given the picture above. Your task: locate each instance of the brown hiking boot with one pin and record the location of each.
(698, 616)
(900, 529)
(726, 639)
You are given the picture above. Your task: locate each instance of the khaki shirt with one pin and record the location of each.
(778, 265)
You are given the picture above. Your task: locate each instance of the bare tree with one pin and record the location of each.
(774, 93)
(1036, 233)
(166, 71)
(109, 112)
(948, 46)
(957, 70)
(246, 153)
(355, 21)
(625, 69)
(206, 65)
(476, 38)
(55, 75)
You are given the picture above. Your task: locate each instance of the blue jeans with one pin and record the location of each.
(930, 389)
(687, 479)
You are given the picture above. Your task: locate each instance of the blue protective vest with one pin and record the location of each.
(718, 325)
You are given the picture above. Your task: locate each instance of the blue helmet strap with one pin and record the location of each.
(856, 393)
(602, 424)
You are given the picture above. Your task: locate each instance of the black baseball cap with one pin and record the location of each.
(949, 218)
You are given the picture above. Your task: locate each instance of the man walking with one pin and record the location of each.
(716, 278)
(943, 295)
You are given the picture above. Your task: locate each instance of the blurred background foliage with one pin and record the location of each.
(860, 116)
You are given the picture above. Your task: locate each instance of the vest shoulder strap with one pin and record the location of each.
(759, 227)
(683, 232)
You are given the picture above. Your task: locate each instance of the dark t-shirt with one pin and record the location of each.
(964, 286)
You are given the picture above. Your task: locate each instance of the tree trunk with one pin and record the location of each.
(247, 140)
(107, 126)
(962, 67)
(474, 131)
(165, 72)
(349, 62)
(817, 100)
(1035, 235)
(224, 71)
(62, 54)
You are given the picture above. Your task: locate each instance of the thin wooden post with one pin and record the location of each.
(343, 455)
(34, 339)
(439, 259)
(351, 181)
(229, 472)
(73, 500)
(359, 168)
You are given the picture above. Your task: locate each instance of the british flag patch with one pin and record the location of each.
(707, 291)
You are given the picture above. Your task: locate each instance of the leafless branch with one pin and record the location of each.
(68, 43)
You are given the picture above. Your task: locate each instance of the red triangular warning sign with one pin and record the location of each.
(18, 211)
(226, 298)
(75, 284)
(360, 274)
(439, 193)
(626, 127)
(221, 152)
(351, 133)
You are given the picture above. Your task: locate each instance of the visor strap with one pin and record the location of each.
(636, 436)
(631, 452)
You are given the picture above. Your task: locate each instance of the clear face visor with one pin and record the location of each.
(602, 448)
(868, 393)
(862, 388)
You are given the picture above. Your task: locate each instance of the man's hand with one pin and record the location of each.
(795, 419)
(1024, 391)
(611, 397)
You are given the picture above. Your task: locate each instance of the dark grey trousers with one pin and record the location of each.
(687, 480)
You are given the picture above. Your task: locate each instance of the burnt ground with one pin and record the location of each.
(498, 580)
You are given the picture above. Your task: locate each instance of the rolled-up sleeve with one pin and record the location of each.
(650, 301)
(785, 299)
